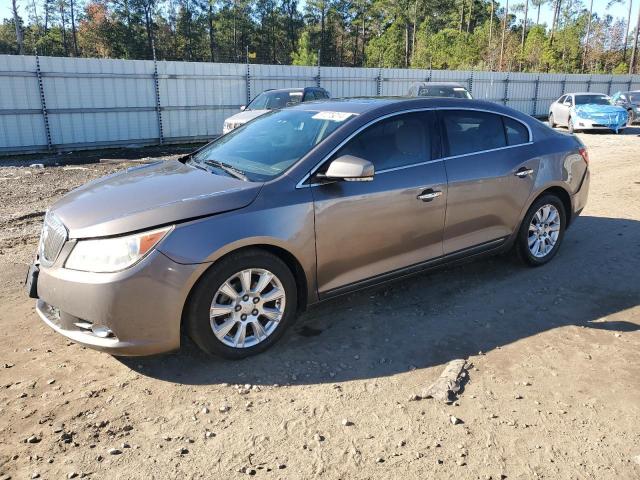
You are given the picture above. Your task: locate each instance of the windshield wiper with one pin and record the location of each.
(231, 170)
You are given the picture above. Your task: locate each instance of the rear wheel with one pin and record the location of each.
(242, 305)
(541, 231)
(570, 126)
(552, 123)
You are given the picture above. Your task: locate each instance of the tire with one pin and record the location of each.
(523, 240)
(552, 124)
(570, 126)
(631, 117)
(200, 320)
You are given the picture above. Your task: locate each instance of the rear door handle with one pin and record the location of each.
(523, 172)
(429, 195)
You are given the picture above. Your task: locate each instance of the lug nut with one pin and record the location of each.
(243, 316)
(238, 308)
(256, 299)
(254, 312)
(245, 298)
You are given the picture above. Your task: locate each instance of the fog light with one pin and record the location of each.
(101, 331)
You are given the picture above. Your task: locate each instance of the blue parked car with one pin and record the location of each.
(587, 111)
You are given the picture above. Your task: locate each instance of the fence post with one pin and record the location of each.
(589, 83)
(505, 100)
(470, 83)
(610, 82)
(248, 77)
(630, 82)
(43, 104)
(318, 76)
(156, 87)
(535, 96)
(379, 83)
(563, 82)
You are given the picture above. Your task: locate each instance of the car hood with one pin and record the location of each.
(244, 117)
(143, 197)
(591, 108)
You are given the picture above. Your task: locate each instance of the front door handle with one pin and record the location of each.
(523, 172)
(429, 195)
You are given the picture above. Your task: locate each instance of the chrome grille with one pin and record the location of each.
(54, 234)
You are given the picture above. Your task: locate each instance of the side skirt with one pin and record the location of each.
(487, 248)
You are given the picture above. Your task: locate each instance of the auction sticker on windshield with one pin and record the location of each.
(333, 116)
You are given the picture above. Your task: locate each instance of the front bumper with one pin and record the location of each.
(140, 306)
(596, 124)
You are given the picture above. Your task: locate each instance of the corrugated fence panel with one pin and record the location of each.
(196, 97)
(349, 82)
(97, 102)
(396, 81)
(21, 119)
(264, 77)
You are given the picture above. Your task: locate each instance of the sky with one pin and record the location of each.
(599, 6)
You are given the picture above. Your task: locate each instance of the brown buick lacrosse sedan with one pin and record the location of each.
(294, 207)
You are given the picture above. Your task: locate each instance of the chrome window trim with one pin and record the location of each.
(301, 184)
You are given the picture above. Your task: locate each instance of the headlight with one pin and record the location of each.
(112, 254)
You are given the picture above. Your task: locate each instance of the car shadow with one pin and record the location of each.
(432, 318)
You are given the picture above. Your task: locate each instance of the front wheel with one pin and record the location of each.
(631, 117)
(242, 305)
(570, 126)
(541, 231)
(552, 122)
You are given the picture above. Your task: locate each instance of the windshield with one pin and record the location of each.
(451, 92)
(275, 100)
(592, 99)
(265, 147)
(634, 97)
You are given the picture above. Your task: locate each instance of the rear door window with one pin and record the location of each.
(467, 131)
(517, 133)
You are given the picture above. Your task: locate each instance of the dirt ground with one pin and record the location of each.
(553, 391)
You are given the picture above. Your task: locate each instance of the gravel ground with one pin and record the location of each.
(553, 386)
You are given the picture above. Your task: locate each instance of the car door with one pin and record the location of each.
(491, 167)
(563, 110)
(366, 229)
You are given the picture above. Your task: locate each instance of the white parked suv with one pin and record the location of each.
(273, 100)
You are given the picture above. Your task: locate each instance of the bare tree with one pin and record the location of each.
(586, 40)
(634, 52)
(538, 4)
(74, 39)
(627, 26)
(18, 21)
(504, 33)
(556, 19)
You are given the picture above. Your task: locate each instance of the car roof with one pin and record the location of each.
(361, 105)
(587, 93)
(295, 89)
(438, 84)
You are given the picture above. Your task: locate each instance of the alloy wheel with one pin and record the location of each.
(544, 230)
(247, 308)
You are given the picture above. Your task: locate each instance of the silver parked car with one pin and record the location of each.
(438, 89)
(587, 111)
(295, 207)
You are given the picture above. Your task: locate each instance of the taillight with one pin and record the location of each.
(584, 154)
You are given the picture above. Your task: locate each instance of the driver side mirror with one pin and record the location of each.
(242, 108)
(349, 169)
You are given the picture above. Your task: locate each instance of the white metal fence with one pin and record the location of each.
(51, 103)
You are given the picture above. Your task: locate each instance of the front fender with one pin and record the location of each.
(274, 219)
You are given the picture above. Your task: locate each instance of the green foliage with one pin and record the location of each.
(442, 34)
(304, 55)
